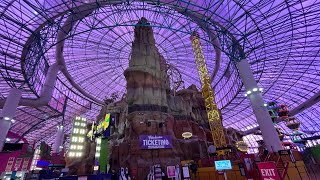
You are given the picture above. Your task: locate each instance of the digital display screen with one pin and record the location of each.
(42, 163)
(223, 165)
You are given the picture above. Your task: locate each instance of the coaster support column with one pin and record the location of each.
(8, 113)
(269, 133)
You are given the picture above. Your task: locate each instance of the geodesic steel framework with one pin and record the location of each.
(279, 39)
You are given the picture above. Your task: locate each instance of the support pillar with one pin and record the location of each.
(8, 112)
(269, 133)
(59, 139)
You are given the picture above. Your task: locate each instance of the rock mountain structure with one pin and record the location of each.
(149, 108)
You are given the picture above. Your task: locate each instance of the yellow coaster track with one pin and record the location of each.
(215, 122)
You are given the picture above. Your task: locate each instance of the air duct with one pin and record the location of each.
(46, 91)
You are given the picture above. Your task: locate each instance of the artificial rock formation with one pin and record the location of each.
(147, 85)
(148, 108)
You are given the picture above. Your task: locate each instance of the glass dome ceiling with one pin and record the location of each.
(280, 39)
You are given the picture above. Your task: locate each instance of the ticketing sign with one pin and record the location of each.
(155, 141)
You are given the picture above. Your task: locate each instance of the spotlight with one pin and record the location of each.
(8, 139)
(248, 92)
(13, 121)
(245, 95)
(260, 89)
(255, 89)
(265, 104)
(6, 118)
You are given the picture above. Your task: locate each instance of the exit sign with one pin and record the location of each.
(268, 171)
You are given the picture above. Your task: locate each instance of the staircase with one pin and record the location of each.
(282, 167)
(267, 157)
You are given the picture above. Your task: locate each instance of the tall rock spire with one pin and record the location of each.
(143, 32)
(146, 77)
(147, 85)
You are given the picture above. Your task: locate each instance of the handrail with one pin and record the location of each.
(285, 168)
(267, 158)
(279, 158)
(284, 173)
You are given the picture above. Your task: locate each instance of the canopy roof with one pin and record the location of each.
(280, 39)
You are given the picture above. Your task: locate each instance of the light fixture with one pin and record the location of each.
(265, 104)
(255, 89)
(248, 92)
(260, 89)
(13, 121)
(242, 146)
(8, 139)
(245, 95)
(186, 135)
(6, 118)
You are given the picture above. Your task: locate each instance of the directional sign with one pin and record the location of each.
(268, 171)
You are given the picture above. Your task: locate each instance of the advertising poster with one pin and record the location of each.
(185, 172)
(171, 171)
(155, 142)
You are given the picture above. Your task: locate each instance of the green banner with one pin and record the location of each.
(104, 153)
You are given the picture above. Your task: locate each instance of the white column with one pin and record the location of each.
(269, 133)
(59, 139)
(8, 112)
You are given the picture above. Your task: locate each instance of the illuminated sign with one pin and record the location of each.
(187, 135)
(242, 146)
(42, 163)
(268, 171)
(223, 165)
(155, 142)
